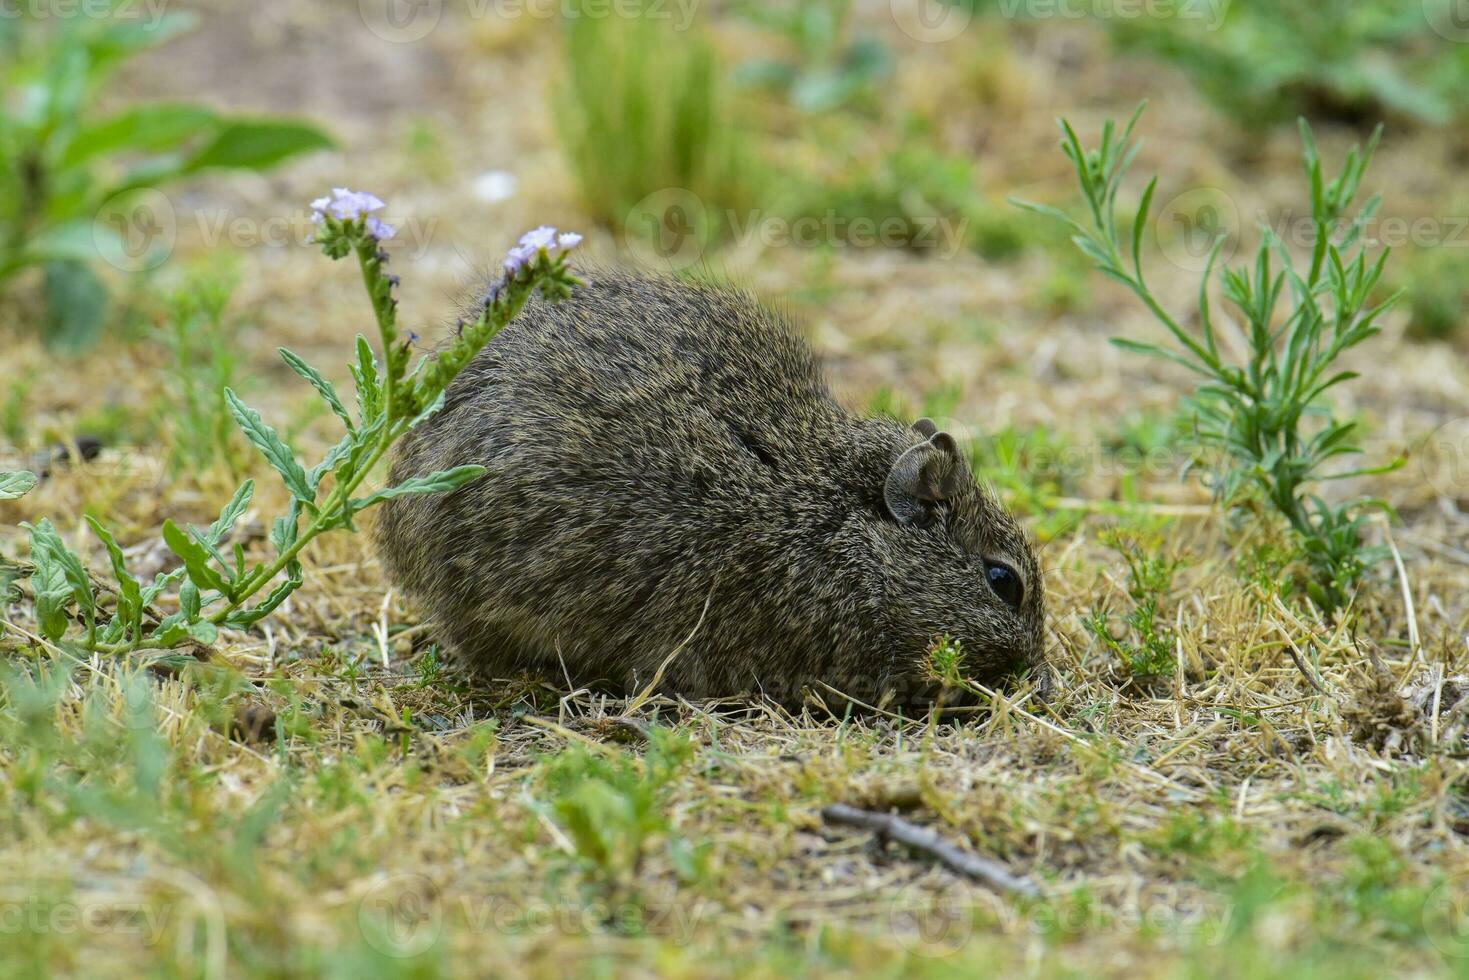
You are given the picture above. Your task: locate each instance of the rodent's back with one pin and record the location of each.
(647, 441)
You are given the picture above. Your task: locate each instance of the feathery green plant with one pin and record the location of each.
(218, 589)
(1261, 420)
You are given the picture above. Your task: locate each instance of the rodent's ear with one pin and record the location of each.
(922, 476)
(926, 428)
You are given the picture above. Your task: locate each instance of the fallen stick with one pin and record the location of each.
(893, 827)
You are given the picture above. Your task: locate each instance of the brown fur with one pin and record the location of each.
(667, 471)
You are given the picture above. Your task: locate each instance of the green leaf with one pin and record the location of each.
(127, 35)
(431, 409)
(195, 558)
(258, 144)
(245, 618)
(59, 577)
(276, 453)
(369, 387)
(190, 602)
(48, 582)
(323, 387)
(76, 305)
(344, 448)
(16, 485)
(284, 528)
(69, 240)
(440, 482)
(149, 128)
(231, 513)
(130, 591)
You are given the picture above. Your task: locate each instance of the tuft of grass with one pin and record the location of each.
(1146, 647)
(1438, 294)
(201, 340)
(643, 108)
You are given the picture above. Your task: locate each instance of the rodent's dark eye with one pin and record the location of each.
(1005, 582)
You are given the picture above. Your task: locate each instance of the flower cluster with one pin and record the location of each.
(349, 205)
(543, 240)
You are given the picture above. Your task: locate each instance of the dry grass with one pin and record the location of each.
(317, 799)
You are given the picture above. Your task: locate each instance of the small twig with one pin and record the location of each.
(1294, 650)
(892, 827)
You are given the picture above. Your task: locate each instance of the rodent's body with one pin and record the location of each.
(667, 472)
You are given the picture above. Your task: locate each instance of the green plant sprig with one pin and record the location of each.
(215, 590)
(71, 178)
(1263, 415)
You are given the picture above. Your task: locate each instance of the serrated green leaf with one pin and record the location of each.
(441, 482)
(245, 618)
(231, 513)
(323, 387)
(433, 408)
(190, 602)
(195, 558)
(59, 578)
(276, 453)
(369, 386)
(16, 485)
(129, 590)
(344, 448)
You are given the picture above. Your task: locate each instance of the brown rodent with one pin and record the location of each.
(668, 475)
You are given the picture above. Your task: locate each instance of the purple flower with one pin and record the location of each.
(380, 230)
(537, 238)
(517, 257)
(537, 241)
(346, 205)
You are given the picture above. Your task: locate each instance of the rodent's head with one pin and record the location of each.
(954, 562)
